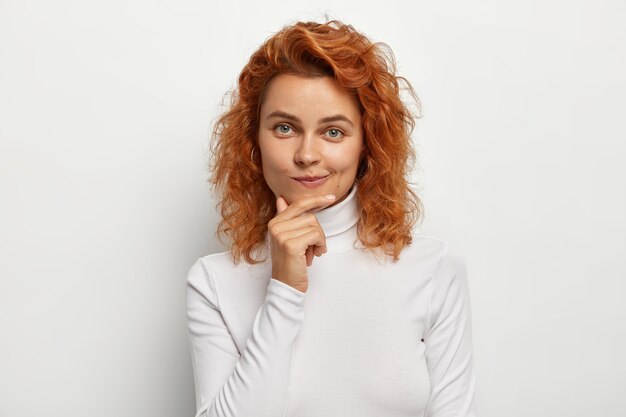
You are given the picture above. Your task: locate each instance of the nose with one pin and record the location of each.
(307, 152)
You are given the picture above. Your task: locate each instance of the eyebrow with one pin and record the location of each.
(333, 118)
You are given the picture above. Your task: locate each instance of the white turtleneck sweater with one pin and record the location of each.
(368, 338)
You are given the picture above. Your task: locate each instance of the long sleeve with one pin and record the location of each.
(448, 341)
(230, 384)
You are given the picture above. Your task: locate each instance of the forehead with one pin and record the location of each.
(308, 94)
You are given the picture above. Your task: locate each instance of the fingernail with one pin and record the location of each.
(330, 197)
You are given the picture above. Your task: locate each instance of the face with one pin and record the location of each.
(309, 127)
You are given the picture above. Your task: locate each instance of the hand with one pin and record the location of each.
(296, 237)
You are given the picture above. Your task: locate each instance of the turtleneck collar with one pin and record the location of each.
(339, 224)
(340, 217)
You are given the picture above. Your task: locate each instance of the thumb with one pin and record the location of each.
(281, 204)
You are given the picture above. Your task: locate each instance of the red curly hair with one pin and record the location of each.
(389, 208)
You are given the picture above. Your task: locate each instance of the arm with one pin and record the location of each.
(255, 382)
(448, 340)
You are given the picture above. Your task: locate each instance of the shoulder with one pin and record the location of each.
(426, 248)
(200, 274)
(203, 264)
(217, 272)
(428, 244)
(447, 282)
(445, 261)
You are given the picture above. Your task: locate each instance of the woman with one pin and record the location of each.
(341, 308)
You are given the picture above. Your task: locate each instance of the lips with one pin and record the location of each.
(310, 178)
(310, 182)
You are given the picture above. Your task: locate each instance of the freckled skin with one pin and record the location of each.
(292, 149)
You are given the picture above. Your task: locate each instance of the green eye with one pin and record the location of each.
(283, 129)
(335, 133)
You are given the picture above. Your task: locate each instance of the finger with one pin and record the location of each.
(302, 221)
(295, 233)
(303, 205)
(318, 251)
(281, 204)
(310, 240)
(309, 255)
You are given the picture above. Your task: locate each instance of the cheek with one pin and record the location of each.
(272, 161)
(344, 158)
(273, 158)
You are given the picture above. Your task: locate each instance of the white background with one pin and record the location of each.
(105, 114)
